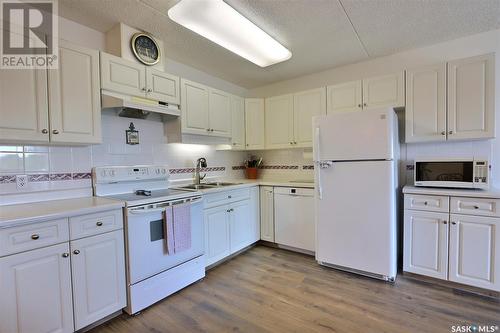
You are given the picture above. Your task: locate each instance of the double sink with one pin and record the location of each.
(205, 186)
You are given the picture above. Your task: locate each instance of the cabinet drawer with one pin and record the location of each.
(33, 236)
(431, 203)
(225, 197)
(475, 206)
(93, 224)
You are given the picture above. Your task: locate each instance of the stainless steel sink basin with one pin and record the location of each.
(197, 187)
(219, 184)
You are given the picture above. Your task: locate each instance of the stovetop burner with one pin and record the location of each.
(145, 193)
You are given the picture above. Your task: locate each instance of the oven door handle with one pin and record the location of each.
(146, 211)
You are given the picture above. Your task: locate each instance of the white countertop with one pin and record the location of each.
(11, 215)
(474, 193)
(242, 183)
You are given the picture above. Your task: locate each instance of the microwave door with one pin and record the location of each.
(444, 174)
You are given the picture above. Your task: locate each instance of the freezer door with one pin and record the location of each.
(356, 217)
(355, 136)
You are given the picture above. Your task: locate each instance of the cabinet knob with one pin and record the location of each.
(247, 144)
(35, 236)
(450, 132)
(234, 143)
(443, 133)
(453, 223)
(426, 203)
(364, 104)
(150, 90)
(476, 207)
(359, 105)
(208, 129)
(55, 132)
(99, 223)
(45, 131)
(229, 197)
(211, 130)
(76, 252)
(143, 89)
(445, 222)
(65, 255)
(295, 142)
(228, 210)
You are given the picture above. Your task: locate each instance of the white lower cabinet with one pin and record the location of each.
(232, 225)
(62, 286)
(474, 253)
(217, 241)
(98, 266)
(267, 213)
(457, 247)
(35, 289)
(426, 243)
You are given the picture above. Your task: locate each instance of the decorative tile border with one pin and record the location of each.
(238, 167)
(270, 167)
(45, 177)
(191, 170)
(308, 167)
(410, 167)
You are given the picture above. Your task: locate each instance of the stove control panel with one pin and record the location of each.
(130, 173)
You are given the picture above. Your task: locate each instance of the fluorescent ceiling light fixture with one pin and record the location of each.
(219, 22)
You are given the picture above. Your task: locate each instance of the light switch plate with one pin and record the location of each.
(21, 181)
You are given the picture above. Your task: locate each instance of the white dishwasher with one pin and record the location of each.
(294, 217)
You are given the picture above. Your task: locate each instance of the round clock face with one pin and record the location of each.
(146, 49)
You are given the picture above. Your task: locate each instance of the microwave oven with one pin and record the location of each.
(452, 173)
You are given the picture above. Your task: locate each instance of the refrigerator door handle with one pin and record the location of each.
(317, 161)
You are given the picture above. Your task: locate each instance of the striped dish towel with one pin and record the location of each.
(168, 230)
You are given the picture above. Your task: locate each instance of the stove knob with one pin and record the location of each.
(112, 173)
(103, 173)
(163, 171)
(157, 171)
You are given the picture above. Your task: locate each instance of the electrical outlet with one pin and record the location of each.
(21, 181)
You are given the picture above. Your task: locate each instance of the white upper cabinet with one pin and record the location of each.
(306, 105)
(384, 91)
(74, 96)
(24, 106)
(36, 291)
(219, 113)
(471, 98)
(162, 86)
(254, 123)
(124, 76)
(370, 93)
(205, 111)
(426, 104)
(474, 251)
(237, 122)
(131, 78)
(194, 107)
(345, 97)
(279, 121)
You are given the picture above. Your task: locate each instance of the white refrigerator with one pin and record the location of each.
(356, 157)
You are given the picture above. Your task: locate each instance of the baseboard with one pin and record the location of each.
(286, 247)
(100, 322)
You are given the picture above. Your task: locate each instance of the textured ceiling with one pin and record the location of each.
(320, 34)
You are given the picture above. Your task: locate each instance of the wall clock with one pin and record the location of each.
(145, 48)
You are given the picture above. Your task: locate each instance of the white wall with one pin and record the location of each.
(482, 43)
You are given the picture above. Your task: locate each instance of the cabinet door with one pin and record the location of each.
(426, 104)
(306, 105)
(219, 113)
(474, 251)
(98, 266)
(36, 291)
(194, 107)
(241, 225)
(24, 108)
(75, 96)
(217, 238)
(279, 121)
(344, 97)
(384, 91)
(471, 98)
(425, 249)
(122, 76)
(237, 122)
(162, 86)
(254, 123)
(267, 213)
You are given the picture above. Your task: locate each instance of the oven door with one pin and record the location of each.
(146, 247)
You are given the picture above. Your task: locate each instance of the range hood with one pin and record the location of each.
(136, 107)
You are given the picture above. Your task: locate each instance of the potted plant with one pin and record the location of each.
(252, 165)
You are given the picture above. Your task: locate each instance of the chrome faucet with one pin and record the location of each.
(200, 163)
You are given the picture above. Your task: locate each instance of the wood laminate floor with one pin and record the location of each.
(272, 290)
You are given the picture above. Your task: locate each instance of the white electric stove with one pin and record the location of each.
(152, 272)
